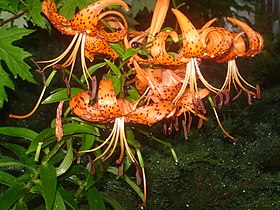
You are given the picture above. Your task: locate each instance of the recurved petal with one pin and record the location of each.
(86, 19)
(192, 45)
(119, 27)
(158, 49)
(237, 49)
(216, 41)
(255, 39)
(57, 20)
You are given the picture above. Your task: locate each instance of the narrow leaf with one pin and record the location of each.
(68, 198)
(129, 52)
(8, 179)
(61, 95)
(112, 201)
(95, 200)
(118, 48)
(92, 69)
(73, 128)
(10, 162)
(114, 68)
(42, 136)
(87, 142)
(20, 152)
(67, 161)
(18, 132)
(12, 195)
(116, 82)
(132, 184)
(49, 181)
(58, 202)
(133, 94)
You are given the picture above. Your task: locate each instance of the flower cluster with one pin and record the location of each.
(168, 83)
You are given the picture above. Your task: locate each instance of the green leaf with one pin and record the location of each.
(21, 206)
(72, 128)
(67, 161)
(10, 162)
(18, 132)
(129, 52)
(9, 5)
(5, 81)
(69, 7)
(14, 59)
(42, 136)
(114, 68)
(8, 179)
(116, 83)
(100, 169)
(48, 135)
(20, 152)
(133, 94)
(12, 195)
(132, 184)
(139, 5)
(58, 202)
(95, 200)
(12, 55)
(92, 69)
(68, 198)
(118, 48)
(113, 202)
(61, 95)
(34, 12)
(49, 181)
(87, 142)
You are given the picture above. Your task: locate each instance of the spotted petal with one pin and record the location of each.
(150, 114)
(107, 100)
(192, 45)
(57, 20)
(95, 46)
(216, 41)
(106, 109)
(80, 105)
(86, 19)
(255, 39)
(158, 50)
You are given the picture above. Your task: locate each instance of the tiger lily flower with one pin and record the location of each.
(238, 49)
(88, 31)
(120, 111)
(192, 49)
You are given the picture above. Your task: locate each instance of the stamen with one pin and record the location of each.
(60, 57)
(33, 110)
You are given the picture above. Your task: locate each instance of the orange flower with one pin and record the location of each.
(238, 49)
(89, 32)
(110, 109)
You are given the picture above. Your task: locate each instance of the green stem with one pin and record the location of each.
(53, 152)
